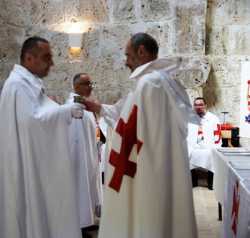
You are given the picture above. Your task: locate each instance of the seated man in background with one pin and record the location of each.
(200, 141)
(84, 152)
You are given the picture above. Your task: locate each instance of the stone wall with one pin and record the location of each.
(216, 28)
(178, 27)
(227, 44)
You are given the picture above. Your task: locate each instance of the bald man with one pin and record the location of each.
(84, 152)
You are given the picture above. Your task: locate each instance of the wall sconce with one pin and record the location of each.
(75, 32)
(75, 43)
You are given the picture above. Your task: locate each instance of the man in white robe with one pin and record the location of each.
(85, 155)
(201, 139)
(148, 191)
(37, 179)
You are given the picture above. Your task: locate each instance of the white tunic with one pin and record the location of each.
(200, 150)
(154, 198)
(84, 154)
(37, 181)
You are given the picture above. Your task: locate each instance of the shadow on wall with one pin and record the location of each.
(210, 90)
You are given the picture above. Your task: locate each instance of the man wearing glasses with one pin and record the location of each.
(85, 154)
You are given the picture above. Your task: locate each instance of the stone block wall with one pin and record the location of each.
(178, 26)
(227, 45)
(194, 28)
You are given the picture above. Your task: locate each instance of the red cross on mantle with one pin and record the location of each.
(217, 133)
(235, 208)
(128, 133)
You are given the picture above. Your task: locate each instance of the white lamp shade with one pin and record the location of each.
(75, 40)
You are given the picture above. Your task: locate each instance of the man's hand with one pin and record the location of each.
(92, 106)
(77, 110)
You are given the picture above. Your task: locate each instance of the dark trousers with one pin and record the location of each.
(195, 177)
(210, 177)
(86, 230)
(85, 234)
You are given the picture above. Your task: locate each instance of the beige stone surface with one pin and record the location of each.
(93, 11)
(156, 10)
(216, 28)
(194, 71)
(190, 28)
(227, 46)
(206, 211)
(111, 23)
(123, 11)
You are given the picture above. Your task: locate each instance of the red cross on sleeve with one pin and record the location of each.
(217, 133)
(128, 133)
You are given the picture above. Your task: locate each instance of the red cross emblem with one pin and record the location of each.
(128, 133)
(235, 208)
(217, 133)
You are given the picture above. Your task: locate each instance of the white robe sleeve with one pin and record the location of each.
(111, 113)
(49, 114)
